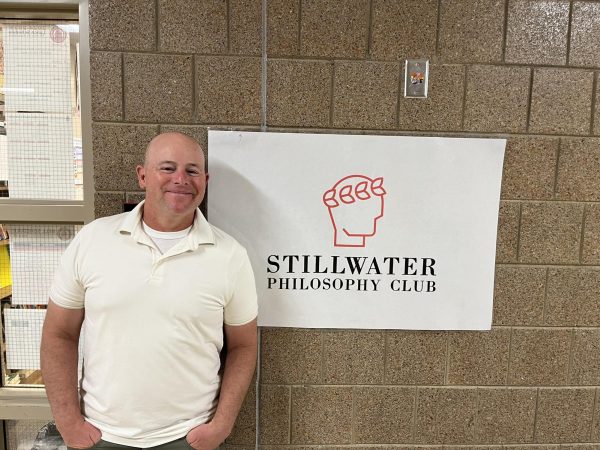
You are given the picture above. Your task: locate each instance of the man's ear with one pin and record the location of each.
(141, 176)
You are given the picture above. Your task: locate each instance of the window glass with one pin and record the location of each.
(29, 254)
(40, 120)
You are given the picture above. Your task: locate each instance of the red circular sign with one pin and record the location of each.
(58, 35)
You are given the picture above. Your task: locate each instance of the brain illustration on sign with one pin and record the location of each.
(355, 203)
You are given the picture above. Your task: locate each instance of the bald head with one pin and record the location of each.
(171, 139)
(174, 178)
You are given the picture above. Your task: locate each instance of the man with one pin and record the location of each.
(156, 289)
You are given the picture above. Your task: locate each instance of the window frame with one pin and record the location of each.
(31, 403)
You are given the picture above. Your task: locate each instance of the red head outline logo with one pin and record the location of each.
(355, 203)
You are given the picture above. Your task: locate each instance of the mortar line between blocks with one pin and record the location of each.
(447, 362)
(299, 35)
(370, 30)
(157, 25)
(594, 100)
(519, 225)
(257, 390)
(556, 168)
(228, 12)
(545, 304)
(569, 374)
(569, 26)
(582, 236)
(123, 85)
(263, 67)
(535, 415)
(595, 406)
(437, 28)
(194, 90)
(510, 339)
(290, 414)
(505, 34)
(529, 100)
(464, 98)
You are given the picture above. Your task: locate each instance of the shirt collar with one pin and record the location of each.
(201, 232)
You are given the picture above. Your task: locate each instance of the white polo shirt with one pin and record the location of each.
(153, 324)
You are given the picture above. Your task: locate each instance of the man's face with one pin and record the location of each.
(173, 176)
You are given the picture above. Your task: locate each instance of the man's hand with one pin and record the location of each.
(80, 435)
(207, 436)
(239, 368)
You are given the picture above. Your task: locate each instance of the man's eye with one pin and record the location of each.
(167, 169)
(193, 173)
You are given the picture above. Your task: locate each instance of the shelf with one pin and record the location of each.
(4, 242)
(24, 403)
(5, 292)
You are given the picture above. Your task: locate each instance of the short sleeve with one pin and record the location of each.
(66, 289)
(242, 306)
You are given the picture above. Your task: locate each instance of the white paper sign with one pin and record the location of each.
(374, 232)
(23, 328)
(39, 113)
(36, 69)
(3, 158)
(23, 336)
(35, 252)
(40, 156)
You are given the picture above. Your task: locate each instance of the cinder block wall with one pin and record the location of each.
(522, 69)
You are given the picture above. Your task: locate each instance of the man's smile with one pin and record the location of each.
(179, 193)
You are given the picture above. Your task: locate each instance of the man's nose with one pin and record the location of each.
(181, 177)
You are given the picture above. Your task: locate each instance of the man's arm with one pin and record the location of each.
(60, 339)
(239, 369)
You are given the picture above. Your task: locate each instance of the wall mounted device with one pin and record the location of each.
(416, 78)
